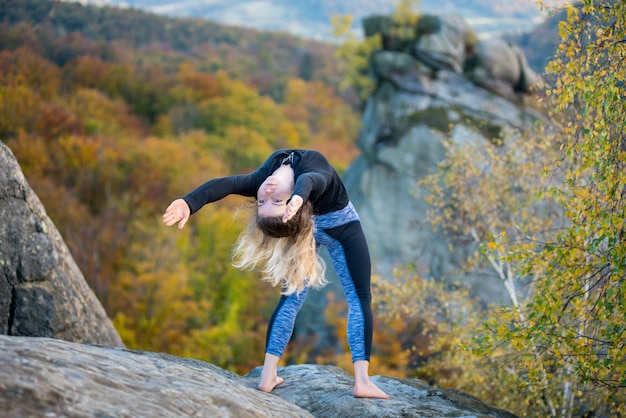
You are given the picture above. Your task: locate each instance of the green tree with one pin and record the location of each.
(353, 55)
(483, 197)
(486, 192)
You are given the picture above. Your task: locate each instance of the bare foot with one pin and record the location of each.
(268, 384)
(269, 374)
(368, 390)
(363, 386)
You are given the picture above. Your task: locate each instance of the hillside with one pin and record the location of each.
(263, 59)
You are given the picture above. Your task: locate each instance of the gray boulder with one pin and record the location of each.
(502, 68)
(53, 378)
(403, 70)
(42, 291)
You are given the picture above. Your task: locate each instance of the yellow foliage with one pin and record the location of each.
(102, 115)
(31, 152)
(18, 110)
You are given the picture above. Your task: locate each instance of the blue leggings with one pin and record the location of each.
(343, 236)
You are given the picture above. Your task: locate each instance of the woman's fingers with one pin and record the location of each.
(288, 215)
(183, 221)
(292, 207)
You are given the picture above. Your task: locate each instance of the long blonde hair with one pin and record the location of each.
(287, 252)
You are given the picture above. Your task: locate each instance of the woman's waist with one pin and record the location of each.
(338, 217)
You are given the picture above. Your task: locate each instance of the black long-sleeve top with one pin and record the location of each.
(316, 181)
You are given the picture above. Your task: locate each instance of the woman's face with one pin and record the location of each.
(272, 196)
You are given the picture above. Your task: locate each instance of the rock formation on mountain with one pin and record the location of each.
(443, 84)
(53, 378)
(42, 291)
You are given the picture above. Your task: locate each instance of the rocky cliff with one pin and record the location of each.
(42, 291)
(444, 84)
(42, 377)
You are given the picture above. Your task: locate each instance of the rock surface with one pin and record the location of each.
(54, 378)
(42, 291)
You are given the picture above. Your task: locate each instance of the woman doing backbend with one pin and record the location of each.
(301, 205)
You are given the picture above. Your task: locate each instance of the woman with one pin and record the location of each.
(301, 204)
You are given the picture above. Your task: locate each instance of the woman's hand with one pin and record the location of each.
(292, 207)
(177, 211)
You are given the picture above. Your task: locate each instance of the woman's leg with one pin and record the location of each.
(279, 332)
(351, 260)
(350, 256)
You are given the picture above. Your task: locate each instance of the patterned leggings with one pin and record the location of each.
(343, 236)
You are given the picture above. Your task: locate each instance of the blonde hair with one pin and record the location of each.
(287, 253)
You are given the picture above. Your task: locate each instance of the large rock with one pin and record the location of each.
(42, 291)
(53, 378)
(419, 104)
